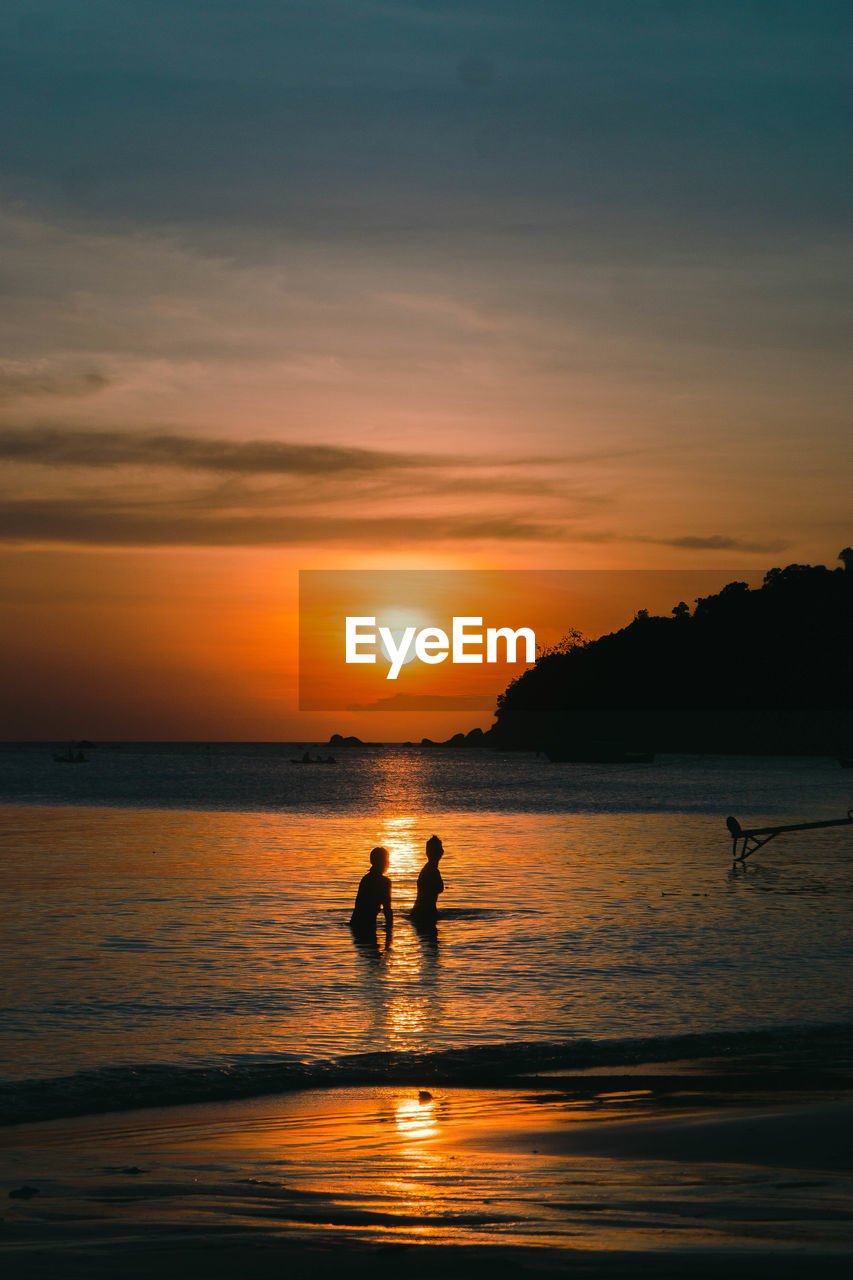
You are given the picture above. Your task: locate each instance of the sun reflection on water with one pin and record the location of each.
(417, 1119)
(404, 1001)
(405, 840)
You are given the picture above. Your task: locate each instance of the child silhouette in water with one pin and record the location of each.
(430, 885)
(374, 895)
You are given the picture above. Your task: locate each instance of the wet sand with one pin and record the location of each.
(615, 1182)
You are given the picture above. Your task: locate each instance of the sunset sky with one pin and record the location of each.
(504, 284)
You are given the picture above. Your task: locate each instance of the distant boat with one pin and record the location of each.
(70, 757)
(306, 759)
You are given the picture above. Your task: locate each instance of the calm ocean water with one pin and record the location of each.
(175, 917)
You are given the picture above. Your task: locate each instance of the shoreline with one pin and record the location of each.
(706, 1065)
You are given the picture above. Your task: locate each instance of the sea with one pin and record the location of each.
(175, 919)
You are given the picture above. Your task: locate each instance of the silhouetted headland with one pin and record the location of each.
(338, 740)
(753, 671)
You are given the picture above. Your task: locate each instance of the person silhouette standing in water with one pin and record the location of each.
(374, 895)
(430, 884)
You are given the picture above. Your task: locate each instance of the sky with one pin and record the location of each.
(342, 284)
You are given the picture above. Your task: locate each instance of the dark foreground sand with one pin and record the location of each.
(459, 1182)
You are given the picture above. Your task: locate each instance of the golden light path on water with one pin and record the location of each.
(408, 1002)
(403, 835)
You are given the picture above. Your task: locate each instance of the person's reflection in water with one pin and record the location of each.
(374, 895)
(367, 946)
(424, 914)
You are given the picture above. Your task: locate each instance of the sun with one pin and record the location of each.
(396, 619)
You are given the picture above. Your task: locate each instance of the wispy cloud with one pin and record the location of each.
(330, 469)
(17, 385)
(132, 488)
(99, 522)
(59, 447)
(718, 542)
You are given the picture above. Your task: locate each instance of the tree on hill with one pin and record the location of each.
(746, 670)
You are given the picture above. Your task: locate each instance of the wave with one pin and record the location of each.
(813, 1056)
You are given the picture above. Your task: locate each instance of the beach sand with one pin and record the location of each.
(621, 1177)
